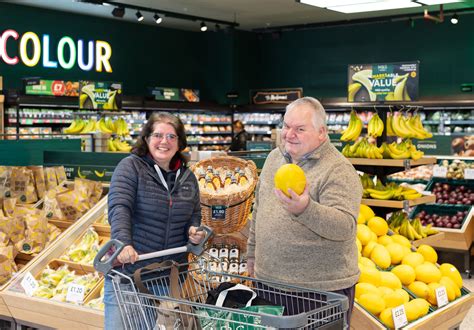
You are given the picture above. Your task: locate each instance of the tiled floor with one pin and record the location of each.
(468, 322)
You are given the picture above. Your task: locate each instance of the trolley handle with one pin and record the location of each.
(117, 247)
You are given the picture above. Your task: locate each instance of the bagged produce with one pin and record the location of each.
(53, 233)
(9, 206)
(38, 175)
(60, 173)
(36, 233)
(5, 230)
(89, 189)
(5, 173)
(73, 205)
(51, 209)
(22, 185)
(17, 231)
(7, 263)
(50, 179)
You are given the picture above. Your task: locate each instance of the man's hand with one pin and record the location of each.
(128, 255)
(195, 236)
(251, 267)
(295, 204)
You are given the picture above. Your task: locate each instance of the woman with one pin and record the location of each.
(153, 201)
(239, 141)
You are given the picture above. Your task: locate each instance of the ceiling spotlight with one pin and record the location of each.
(455, 19)
(118, 12)
(158, 19)
(139, 16)
(203, 27)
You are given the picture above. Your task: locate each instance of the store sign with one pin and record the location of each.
(174, 94)
(66, 53)
(276, 96)
(51, 87)
(100, 95)
(383, 82)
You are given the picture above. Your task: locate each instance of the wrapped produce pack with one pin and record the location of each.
(88, 189)
(36, 233)
(5, 173)
(7, 263)
(60, 173)
(38, 175)
(50, 179)
(22, 185)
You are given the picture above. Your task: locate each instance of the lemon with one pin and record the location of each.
(427, 273)
(361, 219)
(367, 262)
(405, 273)
(451, 272)
(290, 176)
(386, 318)
(367, 250)
(380, 256)
(390, 280)
(428, 253)
(385, 240)
(369, 275)
(378, 225)
(366, 212)
(402, 240)
(394, 299)
(419, 289)
(363, 234)
(413, 259)
(363, 288)
(421, 305)
(373, 236)
(432, 293)
(396, 252)
(451, 288)
(372, 302)
(411, 311)
(404, 294)
(383, 291)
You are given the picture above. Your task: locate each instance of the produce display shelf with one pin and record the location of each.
(398, 204)
(406, 163)
(429, 240)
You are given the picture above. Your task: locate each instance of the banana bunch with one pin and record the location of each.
(352, 132)
(90, 127)
(104, 126)
(390, 191)
(404, 150)
(51, 277)
(76, 127)
(362, 149)
(375, 126)
(121, 127)
(406, 126)
(116, 145)
(85, 250)
(400, 224)
(367, 182)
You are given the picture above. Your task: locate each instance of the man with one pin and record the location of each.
(239, 141)
(308, 240)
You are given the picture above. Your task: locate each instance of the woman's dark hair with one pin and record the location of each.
(141, 146)
(238, 123)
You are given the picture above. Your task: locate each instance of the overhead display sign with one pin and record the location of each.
(100, 95)
(51, 87)
(383, 82)
(174, 94)
(66, 53)
(275, 96)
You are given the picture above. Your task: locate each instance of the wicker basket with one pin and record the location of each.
(237, 205)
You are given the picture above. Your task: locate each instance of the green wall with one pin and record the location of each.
(220, 62)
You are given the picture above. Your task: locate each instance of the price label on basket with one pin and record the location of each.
(75, 293)
(441, 296)
(218, 212)
(399, 317)
(469, 173)
(29, 284)
(439, 171)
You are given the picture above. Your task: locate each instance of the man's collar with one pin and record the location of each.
(315, 154)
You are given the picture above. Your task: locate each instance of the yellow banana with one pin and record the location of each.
(111, 145)
(375, 126)
(418, 124)
(99, 174)
(82, 176)
(103, 127)
(400, 82)
(389, 124)
(352, 132)
(363, 77)
(352, 91)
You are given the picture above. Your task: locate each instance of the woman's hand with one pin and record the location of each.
(195, 236)
(128, 255)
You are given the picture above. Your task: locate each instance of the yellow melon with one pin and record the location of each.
(290, 176)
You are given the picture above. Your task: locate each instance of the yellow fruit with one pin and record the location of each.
(428, 253)
(366, 212)
(385, 240)
(402, 240)
(367, 250)
(369, 275)
(432, 293)
(366, 262)
(383, 291)
(404, 294)
(405, 273)
(394, 299)
(421, 305)
(363, 288)
(361, 219)
(396, 252)
(373, 236)
(427, 273)
(363, 234)
(413, 259)
(451, 288)
(390, 280)
(380, 256)
(290, 176)
(372, 302)
(378, 225)
(419, 289)
(451, 272)
(412, 311)
(386, 318)
(359, 245)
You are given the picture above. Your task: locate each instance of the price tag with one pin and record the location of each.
(441, 296)
(399, 317)
(439, 171)
(75, 293)
(447, 122)
(218, 212)
(469, 173)
(29, 284)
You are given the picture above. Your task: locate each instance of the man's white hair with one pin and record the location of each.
(319, 114)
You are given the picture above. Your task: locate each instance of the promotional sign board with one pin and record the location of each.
(383, 82)
(51, 87)
(100, 95)
(275, 96)
(174, 94)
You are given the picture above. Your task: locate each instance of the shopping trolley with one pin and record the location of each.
(171, 296)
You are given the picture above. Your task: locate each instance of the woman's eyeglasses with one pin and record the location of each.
(160, 136)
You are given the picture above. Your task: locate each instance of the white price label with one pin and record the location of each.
(439, 171)
(441, 296)
(29, 284)
(399, 317)
(75, 293)
(469, 173)
(447, 122)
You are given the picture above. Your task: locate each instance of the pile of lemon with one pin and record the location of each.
(390, 263)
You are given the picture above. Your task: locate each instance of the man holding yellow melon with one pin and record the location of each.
(306, 208)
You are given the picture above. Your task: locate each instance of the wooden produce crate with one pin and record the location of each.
(398, 204)
(447, 317)
(46, 312)
(430, 240)
(406, 163)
